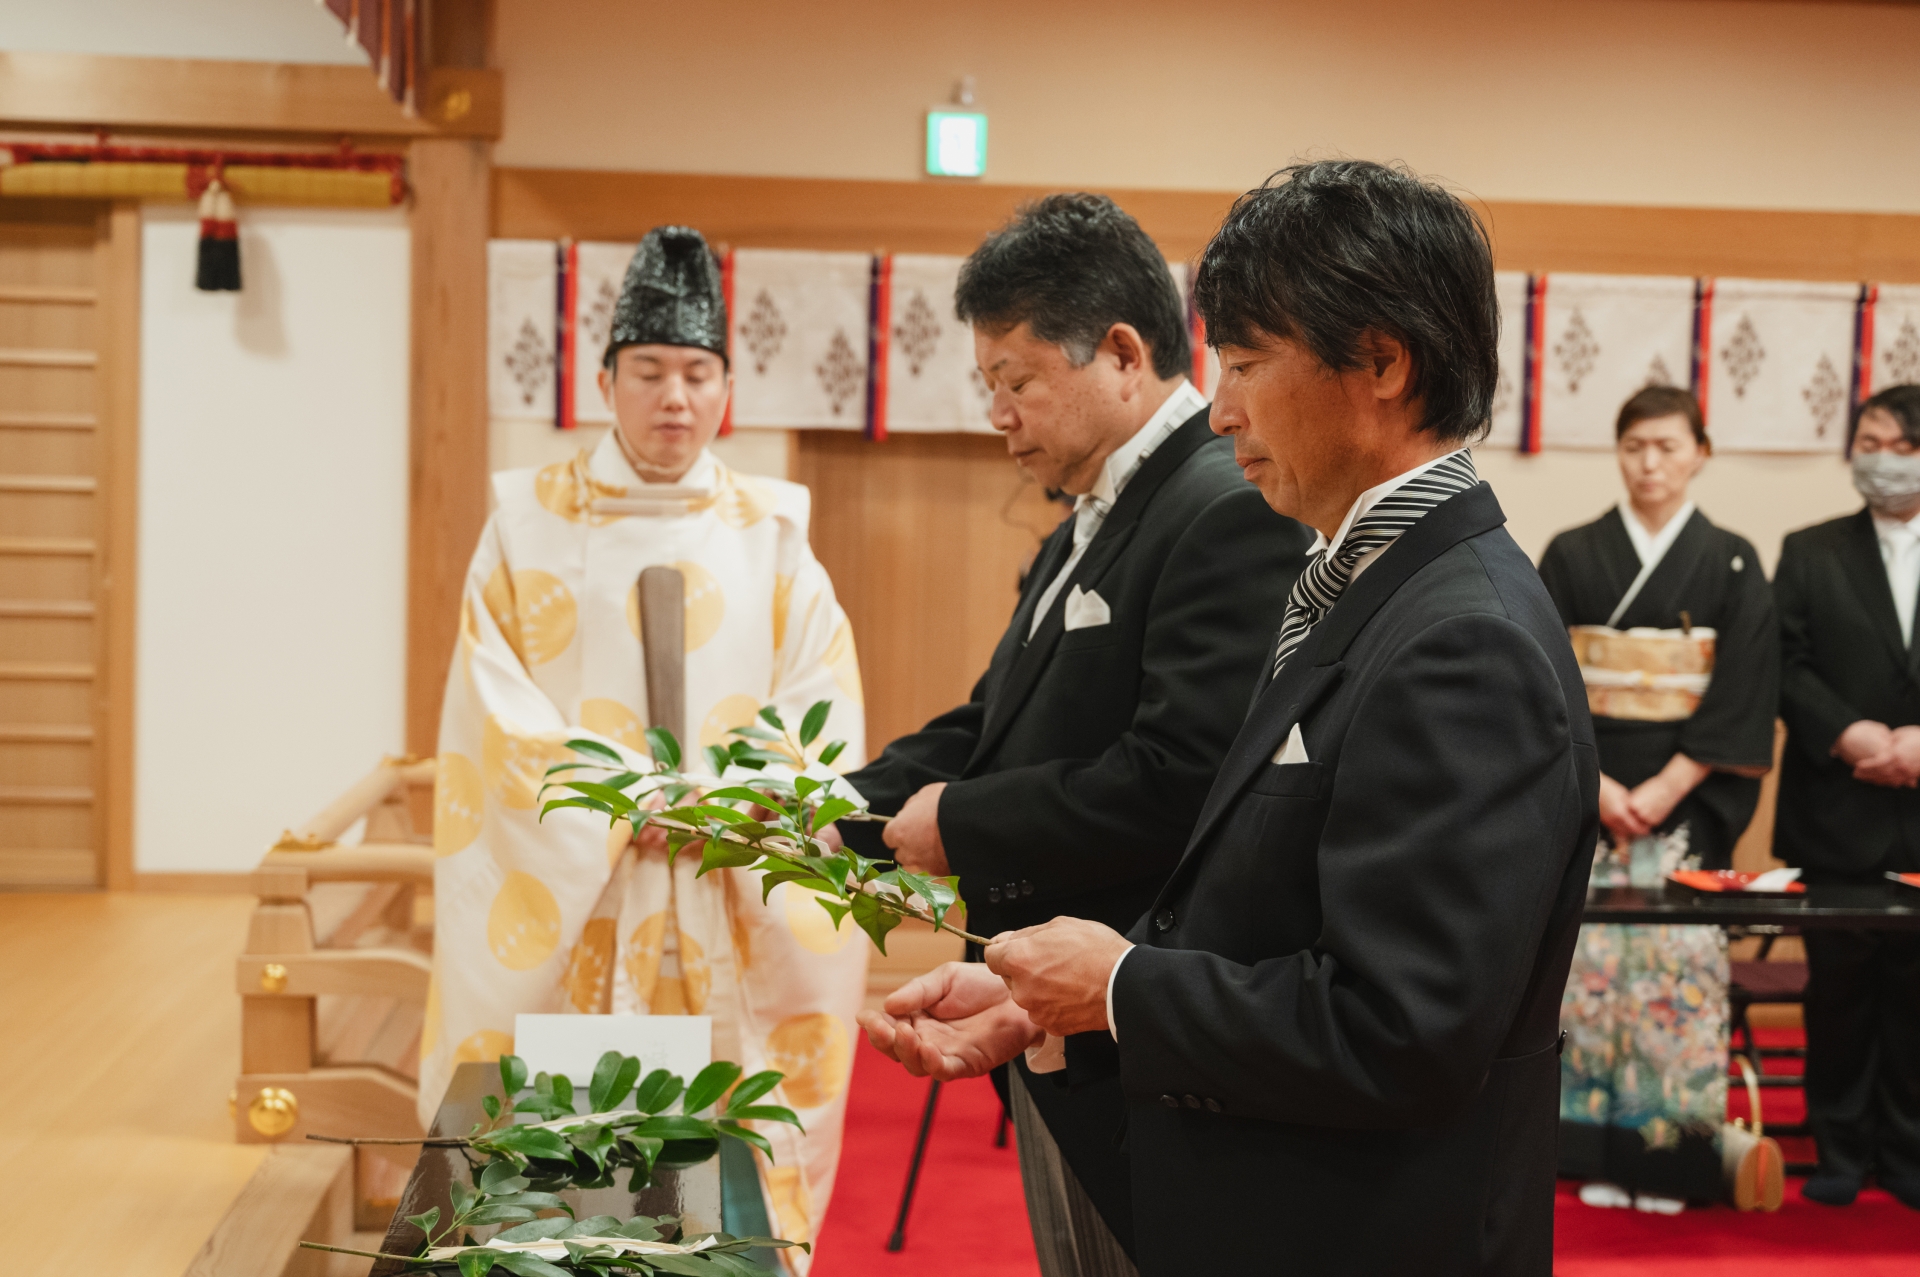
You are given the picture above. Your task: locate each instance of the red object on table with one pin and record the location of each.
(1728, 880)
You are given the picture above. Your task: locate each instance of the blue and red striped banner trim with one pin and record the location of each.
(879, 339)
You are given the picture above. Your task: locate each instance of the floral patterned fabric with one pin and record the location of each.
(1645, 1065)
(1646, 1021)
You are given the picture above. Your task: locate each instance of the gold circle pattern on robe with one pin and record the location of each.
(459, 803)
(813, 1051)
(523, 925)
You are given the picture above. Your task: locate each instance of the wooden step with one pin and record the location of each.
(45, 671)
(45, 795)
(19, 357)
(48, 483)
(78, 546)
(48, 420)
(45, 733)
(47, 609)
(48, 293)
(300, 1192)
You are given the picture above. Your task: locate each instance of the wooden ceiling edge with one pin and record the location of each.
(935, 216)
(195, 95)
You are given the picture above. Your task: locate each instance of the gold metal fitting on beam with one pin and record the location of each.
(273, 978)
(290, 841)
(273, 1112)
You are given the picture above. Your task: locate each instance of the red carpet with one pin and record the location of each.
(969, 1219)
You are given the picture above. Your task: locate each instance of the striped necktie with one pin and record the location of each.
(1328, 575)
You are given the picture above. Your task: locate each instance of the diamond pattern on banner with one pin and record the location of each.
(522, 275)
(933, 384)
(1896, 337)
(1606, 337)
(1510, 287)
(799, 334)
(598, 272)
(1778, 357)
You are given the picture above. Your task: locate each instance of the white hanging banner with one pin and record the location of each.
(933, 384)
(1892, 341)
(799, 336)
(1778, 358)
(1605, 337)
(522, 275)
(598, 270)
(1510, 288)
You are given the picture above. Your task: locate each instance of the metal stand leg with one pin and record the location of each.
(898, 1240)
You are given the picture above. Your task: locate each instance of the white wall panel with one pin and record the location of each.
(273, 526)
(247, 30)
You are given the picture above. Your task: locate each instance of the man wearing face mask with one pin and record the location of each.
(1849, 807)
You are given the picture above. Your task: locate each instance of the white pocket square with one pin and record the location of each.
(1086, 609)
(1294, 751)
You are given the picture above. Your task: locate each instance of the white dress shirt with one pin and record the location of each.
(1365, 502)
(1090, 510)
(1900, 553)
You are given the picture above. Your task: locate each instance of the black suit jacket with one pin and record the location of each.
(1841, 660)
(1076, 769)
(1338, 1030)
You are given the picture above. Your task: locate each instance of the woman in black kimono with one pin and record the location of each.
(1702, 771)
(1644, 1076)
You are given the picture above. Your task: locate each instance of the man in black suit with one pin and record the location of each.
(1849, 810)
(1067, 783)
(1336, 1027)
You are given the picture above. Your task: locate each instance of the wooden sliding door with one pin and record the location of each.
(62, 387)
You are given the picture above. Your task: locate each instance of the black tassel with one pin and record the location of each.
(219, 269)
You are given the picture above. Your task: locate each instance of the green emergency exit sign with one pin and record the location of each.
(956, 143)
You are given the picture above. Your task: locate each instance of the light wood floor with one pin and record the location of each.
(121, 1035)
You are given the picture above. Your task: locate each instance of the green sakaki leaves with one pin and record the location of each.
(815, 720)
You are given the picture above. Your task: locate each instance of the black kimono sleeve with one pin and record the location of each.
(1733, 727)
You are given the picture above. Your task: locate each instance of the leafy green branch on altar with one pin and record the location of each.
(521, 1168)
(767, 821)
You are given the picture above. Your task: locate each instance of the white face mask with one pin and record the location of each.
(1887, 479)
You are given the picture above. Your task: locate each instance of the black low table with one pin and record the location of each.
(692, 1193)
(1881, 906)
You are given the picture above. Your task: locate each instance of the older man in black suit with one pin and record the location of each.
(1067, 783)
(1849, 810)
(1335, 1030)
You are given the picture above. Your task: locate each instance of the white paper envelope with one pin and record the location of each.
(1084, 610)
(573, 1044)
(1295, 750)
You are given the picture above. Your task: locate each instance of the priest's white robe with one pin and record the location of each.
(560, 915)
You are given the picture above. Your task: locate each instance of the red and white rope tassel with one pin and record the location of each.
(219, 268)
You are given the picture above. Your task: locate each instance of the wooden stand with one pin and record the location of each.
(333, 987)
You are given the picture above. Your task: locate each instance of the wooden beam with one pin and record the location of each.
(782, 212)
(448, 465)
(1755, 243)
(117, 278)
(943, 217)
(97, 91)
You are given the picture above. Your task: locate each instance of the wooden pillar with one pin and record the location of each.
(448, 465)
(117, 277)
